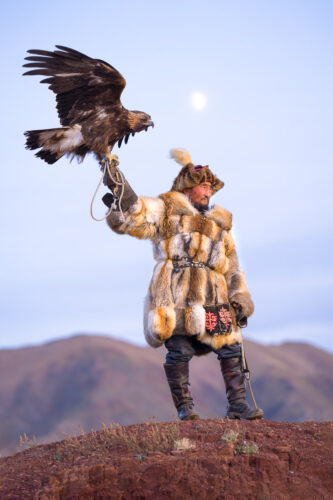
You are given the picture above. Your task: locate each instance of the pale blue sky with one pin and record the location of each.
(266, 69)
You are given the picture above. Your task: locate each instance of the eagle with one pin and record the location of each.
(88, 94)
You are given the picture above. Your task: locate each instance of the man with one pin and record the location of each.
(198, 297)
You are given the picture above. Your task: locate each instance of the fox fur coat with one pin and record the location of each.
(175, 300)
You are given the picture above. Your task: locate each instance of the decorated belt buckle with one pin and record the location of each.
(218, 320)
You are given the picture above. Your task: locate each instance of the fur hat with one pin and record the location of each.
(191, 175)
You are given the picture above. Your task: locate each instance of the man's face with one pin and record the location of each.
(200, 194)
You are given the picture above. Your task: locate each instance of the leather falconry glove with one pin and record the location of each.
(129, 196)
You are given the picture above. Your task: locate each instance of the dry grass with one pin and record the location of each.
(140, 441)
(183, 444)
(25, 442)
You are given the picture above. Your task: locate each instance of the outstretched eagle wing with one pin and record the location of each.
(83, 85)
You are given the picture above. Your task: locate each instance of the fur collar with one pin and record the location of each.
(178, 204)
(221, 216)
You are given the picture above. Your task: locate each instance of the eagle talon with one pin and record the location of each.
(112, 159)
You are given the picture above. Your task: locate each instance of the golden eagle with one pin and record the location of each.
(88, 102)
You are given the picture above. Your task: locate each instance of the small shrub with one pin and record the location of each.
(57, 455)
(230, 436)
(183, 444)
(248, 448)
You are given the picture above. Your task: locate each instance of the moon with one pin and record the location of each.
(198, 101)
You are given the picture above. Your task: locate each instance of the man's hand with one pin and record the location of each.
(129, 197)
(108, 199)
(241, 319)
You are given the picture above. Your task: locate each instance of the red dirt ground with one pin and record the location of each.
(230, 460)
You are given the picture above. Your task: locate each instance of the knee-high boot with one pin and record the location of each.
(178, 379)
(234, 380)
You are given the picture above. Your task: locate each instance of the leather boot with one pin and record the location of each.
(234, 380)
(178, 379)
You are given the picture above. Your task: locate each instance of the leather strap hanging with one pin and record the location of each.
(246, 371)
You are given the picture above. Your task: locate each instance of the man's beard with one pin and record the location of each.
(202, 207)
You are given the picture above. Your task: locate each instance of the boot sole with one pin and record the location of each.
(238, 416)
(191, 417)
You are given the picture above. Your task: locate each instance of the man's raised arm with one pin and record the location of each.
(141, 217)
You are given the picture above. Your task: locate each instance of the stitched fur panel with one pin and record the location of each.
(161, 285)
(180, 286)
(236, 283)
(195, 320)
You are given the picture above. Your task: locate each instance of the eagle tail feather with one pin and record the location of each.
(48, 156)
(56, 142)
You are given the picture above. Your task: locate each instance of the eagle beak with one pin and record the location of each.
(150, 124)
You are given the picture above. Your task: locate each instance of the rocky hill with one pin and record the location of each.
(49, 390)
(206, 459)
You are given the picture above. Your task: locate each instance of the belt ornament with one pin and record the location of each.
(183, 262)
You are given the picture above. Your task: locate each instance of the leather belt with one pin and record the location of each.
(179, 264)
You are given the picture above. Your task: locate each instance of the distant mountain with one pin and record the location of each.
(85, 380)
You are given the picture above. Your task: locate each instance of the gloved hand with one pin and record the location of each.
(241, 319)
(113, 164)
(108, 199)
(129, 196)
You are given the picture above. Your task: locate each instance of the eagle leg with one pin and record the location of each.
(112, 176)
(112, 159)
(109, 163)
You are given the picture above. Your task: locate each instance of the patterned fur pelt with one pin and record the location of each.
(175, 300)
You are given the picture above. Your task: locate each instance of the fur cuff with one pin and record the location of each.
(244, 299)
(161, 324)
(116, 218)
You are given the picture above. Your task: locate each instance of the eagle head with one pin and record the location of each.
(138, 120)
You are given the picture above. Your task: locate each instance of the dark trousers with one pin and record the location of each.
(182, 348)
